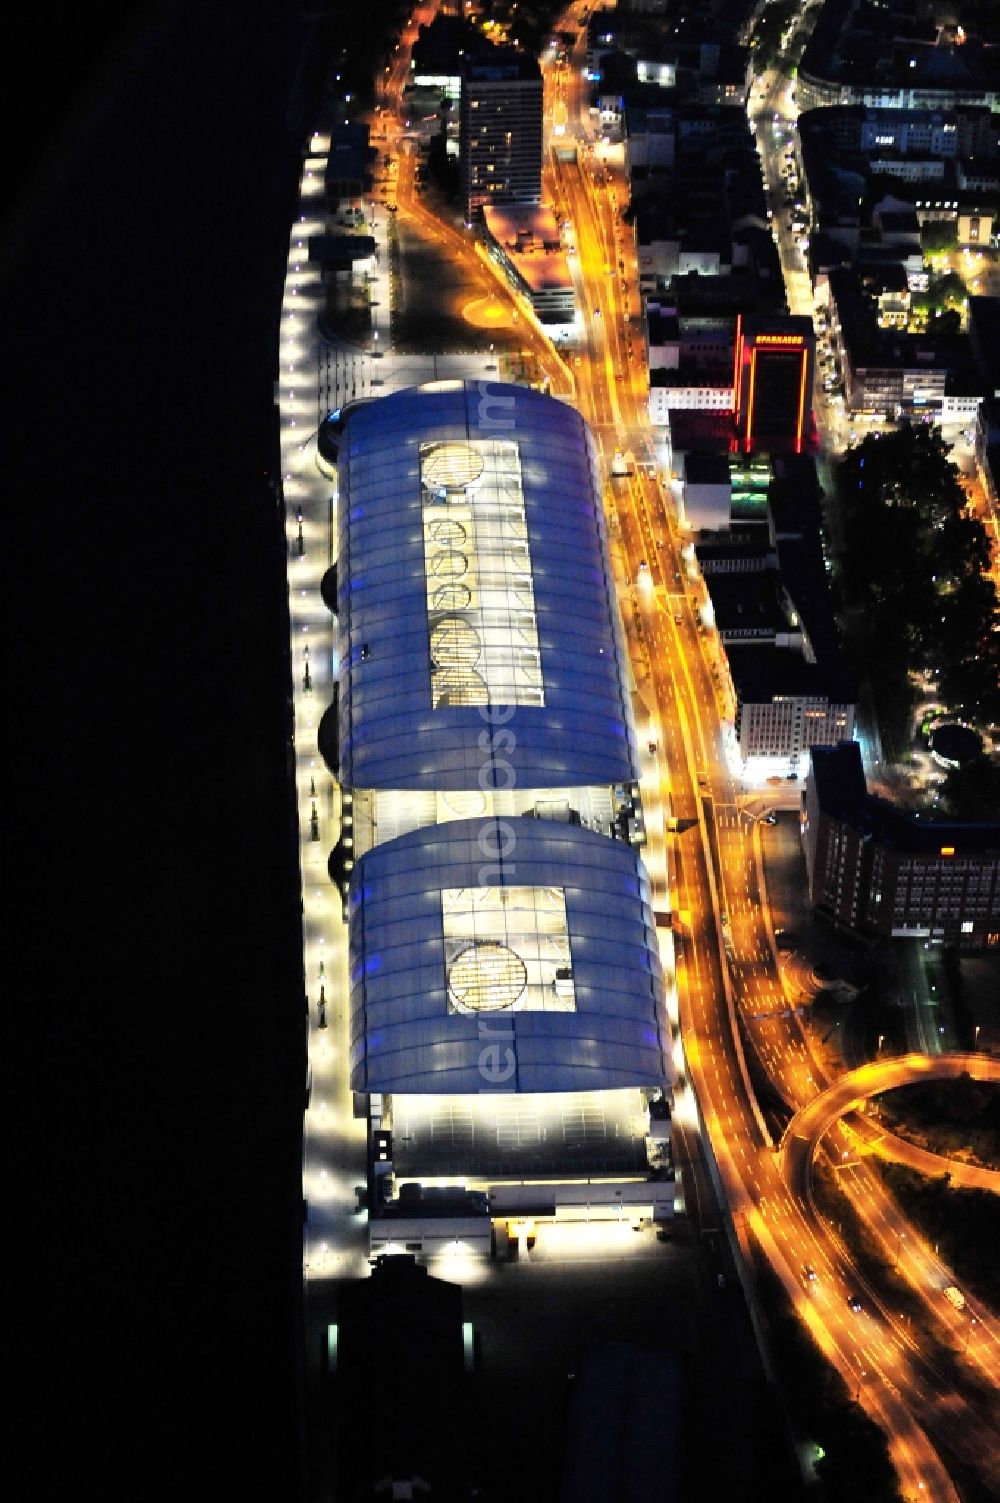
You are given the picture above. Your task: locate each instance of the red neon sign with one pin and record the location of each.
(753, 380)
(802, 403)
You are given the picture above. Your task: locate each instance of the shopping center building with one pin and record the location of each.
(508, 1038)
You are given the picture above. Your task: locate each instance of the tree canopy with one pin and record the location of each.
(938, 235)
(972, 791)
(915, 567)
(768, 29)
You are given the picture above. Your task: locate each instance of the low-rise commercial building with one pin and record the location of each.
(690, 362)
(758, 551)
(399, 1335)
(349, 164)
(524, 240)
(889, 372)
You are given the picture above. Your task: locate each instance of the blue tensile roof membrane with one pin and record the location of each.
(407, 1036)
(398, 619)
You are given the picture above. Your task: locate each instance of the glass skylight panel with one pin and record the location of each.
(482, 627)
(507, 950)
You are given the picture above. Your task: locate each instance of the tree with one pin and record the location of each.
(914, 567)
(938, 235)
(765, 40)
(971, 684)
(947, 324)
(947, 291)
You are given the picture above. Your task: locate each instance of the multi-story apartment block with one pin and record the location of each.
(874, 868)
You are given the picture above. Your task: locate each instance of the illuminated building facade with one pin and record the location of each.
(506, 993)
(773, 372)
(785, 705)
(500, 130)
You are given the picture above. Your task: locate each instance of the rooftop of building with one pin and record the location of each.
(865, 43)
(717, 551)
(441, 45)
(474, 583)
(888, 349)
(768, 326)
(341, 250)
(885, 276)
(350, 154)
(897, 221)
(515, 955)
(761, 674)
(740, 290)
(805, 578)
(793, 500)
(707, 469)
(692, 374)
(984, 332)
(694, 432)
(529, 236)
(501, 65)
(662, 327)
(644, 112)
(748, 602)
(399, 1335)
(653, 219)
(508, 1135)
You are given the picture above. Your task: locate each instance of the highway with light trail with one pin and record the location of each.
(729, 985)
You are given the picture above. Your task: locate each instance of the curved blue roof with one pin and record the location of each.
(422, 675)
(576, 1006)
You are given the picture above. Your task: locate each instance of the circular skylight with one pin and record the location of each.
(465, 803)
(487, 977)
(451, 467)
(451, 597)
(455, 643)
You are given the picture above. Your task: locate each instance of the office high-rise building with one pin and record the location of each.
(500, 130)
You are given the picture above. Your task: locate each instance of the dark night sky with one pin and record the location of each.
(155, 1004)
